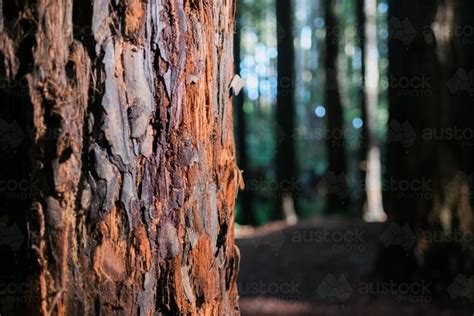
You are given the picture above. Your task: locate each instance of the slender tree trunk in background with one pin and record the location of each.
(337, 198)
(373, 208)
(130, 118)
(247, 213)
(461, 192)
(423, 56)
(285, 112)
(466, 99)
(360, 14)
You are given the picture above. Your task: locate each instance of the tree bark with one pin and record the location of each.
(337, 172)
(129, 115)
(285, 111)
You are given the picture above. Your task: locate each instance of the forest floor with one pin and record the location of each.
(324, 267)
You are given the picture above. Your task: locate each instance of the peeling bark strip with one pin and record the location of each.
(131, 125)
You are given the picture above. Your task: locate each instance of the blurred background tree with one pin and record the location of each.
(262, 137)
(383, 131)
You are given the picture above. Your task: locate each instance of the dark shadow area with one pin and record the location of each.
(355, 135)
(17, 186)
(329, 267)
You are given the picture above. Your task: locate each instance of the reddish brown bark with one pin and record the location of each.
(131, 142)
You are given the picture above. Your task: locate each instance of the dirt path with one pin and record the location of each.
(323, 267)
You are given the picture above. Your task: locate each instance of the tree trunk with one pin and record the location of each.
(285, 111)
(423, 56)
(246, 196)
(373, 208)
(465, 97)
(360, 14)
(337, 198)
(129, 119)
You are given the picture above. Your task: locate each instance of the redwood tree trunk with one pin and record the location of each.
(364, 132)
(373, 208)
(285, 111)
(337, 172)
(130, 124)
(247, 216)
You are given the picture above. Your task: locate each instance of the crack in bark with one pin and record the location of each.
(134, 211)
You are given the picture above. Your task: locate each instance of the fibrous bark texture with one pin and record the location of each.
(129, 119)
